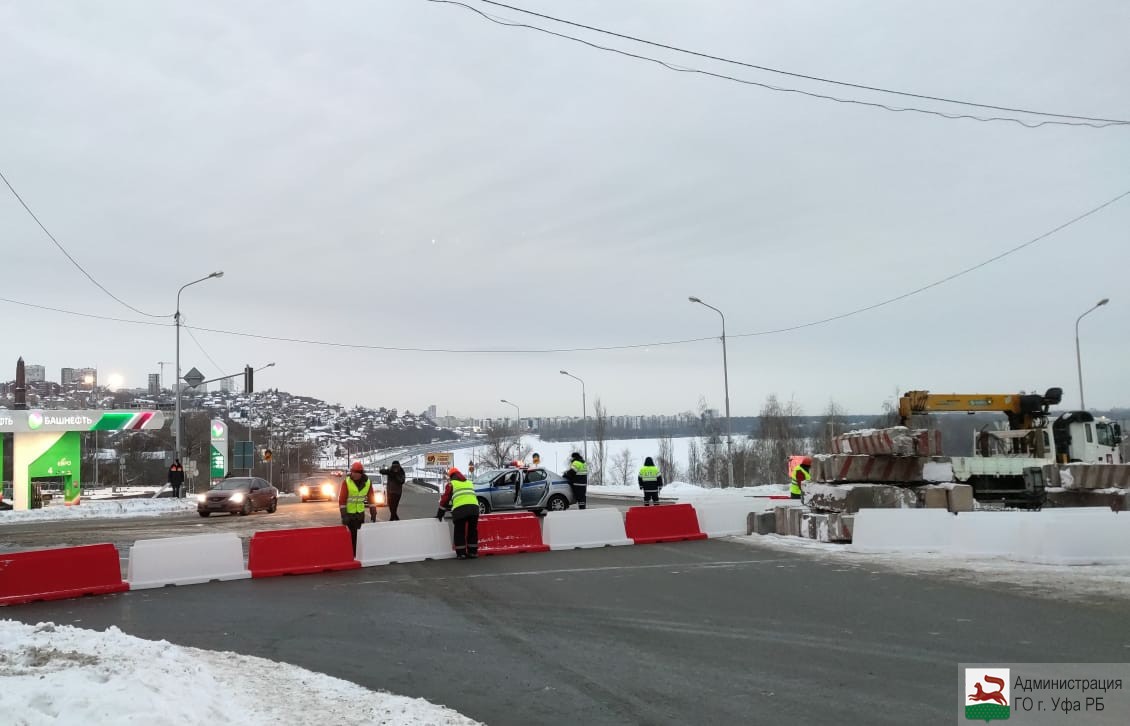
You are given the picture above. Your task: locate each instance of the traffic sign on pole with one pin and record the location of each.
(194, 378)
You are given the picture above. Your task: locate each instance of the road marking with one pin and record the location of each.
(570, 570)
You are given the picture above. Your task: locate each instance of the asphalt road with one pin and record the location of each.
(695, 632)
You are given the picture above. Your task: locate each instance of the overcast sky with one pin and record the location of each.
(401, 173)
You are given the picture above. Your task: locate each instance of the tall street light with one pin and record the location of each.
(726, 383)
(519, 426)
(177, 383)
(1078, 357)
(584, 413)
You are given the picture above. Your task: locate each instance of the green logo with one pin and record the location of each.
(34, 420)
(218, 429)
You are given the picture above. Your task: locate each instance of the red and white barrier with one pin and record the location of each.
(186, 560)
(584, 528)
(406, 540)
(60, 573)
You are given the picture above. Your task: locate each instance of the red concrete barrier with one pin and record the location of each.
(666, 523)
(507, 534)
(300, 551)
(60, 573)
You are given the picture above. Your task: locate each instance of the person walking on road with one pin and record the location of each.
(578, 478)
(394, 489)
(460, 497)
(651, 481)
(176, 478)
(355, 494)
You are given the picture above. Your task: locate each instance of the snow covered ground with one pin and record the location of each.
(99, 509)
(58, 674)
(1083, 583)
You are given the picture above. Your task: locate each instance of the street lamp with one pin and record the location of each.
(176, 320)
(519, 414)
(584, 413)
(726, 383)
(1078, 357)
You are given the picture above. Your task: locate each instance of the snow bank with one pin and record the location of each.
(53, 674)
(119, 509)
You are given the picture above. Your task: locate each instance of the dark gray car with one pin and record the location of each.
(238, 495)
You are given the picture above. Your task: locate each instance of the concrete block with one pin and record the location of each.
(1015, 535)
(1095, 538)
(796, 517)
(903, 530)
(584, 528)
(850, 498)
(1094, 476)
(894, 441)
(840, 527)
(186, 560)
(812, 524)
(845, 468)
(959, 498)
(932, 497)
(781, 511)
(723, 519)
(1116, 500)
(761, 523)
(408, 540)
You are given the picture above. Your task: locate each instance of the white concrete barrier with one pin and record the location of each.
(1100, 538)
(186, 560)
(1001, 534)
(583, 528)
(903, 530)
(407, 540)
(724, 519)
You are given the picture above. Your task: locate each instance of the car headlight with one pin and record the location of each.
(327, 490)
(236, 498)
(380, 498)
(303, 490)
(201, 498)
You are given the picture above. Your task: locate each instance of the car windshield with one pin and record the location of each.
(485, 475)
(233, 484)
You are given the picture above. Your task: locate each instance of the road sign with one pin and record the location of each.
(440, 460)
(194, 378)
(244, 455)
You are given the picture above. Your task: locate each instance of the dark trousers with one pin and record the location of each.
(176, 490)
(579, 494)
(466, 537)
(649, 496)
(795, 496)
(353, 522)
(393, 503)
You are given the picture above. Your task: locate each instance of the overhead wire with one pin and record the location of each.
(187, 329)
(793, 74)
(68, 255)
(1095, 124)
(628, 346)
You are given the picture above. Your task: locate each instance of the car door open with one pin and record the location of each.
(534, 488)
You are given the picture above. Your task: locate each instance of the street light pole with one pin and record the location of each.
(726, 384)
(584, 413)
(177, 382)
(519, 426)
(1078, 356)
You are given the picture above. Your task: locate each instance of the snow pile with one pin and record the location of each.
(64, 675)
(113, 509)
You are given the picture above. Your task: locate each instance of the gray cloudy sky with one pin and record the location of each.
(402, 173)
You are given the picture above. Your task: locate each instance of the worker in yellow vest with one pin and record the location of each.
(460, 497)
(799, 473)
(651, 481)
(356, 493)
(578, 477)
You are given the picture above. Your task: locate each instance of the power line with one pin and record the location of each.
(1083, 122)
(68, 254)
(219, 368)
(628, 346)
(793, 74)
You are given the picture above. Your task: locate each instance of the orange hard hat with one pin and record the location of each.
(358, 467)
(453, 473)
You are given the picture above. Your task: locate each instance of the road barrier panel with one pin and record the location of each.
(301, 551)
(584, 528)
(665, 523)
(188, 560)
(904, 530)
(725, 519)
(510, 533)
(58, 574)
(406, 540)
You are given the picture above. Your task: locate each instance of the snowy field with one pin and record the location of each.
(1082, 583)
(101, 509)
(60, 675)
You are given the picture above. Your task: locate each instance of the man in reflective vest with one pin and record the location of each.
(798, 474)
(651, 481)
(460, 497)
(355, 494)
(578, 477)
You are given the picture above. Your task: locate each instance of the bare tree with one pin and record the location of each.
(599, 436)
(832, 424)
(665, 459)
(623, 466)
(780, 434)
(500, 447)
(696, 469)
